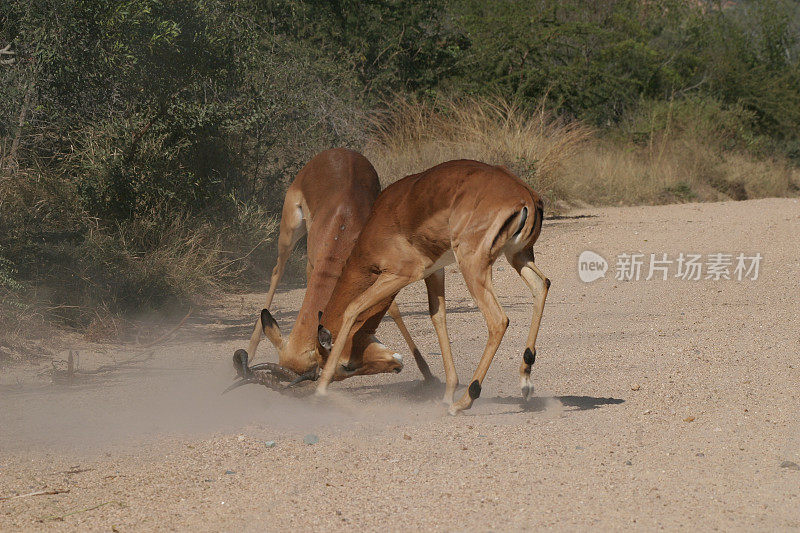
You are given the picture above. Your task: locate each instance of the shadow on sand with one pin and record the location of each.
(421, 391)
(575, 403)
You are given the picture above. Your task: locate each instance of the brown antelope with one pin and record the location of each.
(330, 200)
(461, 211)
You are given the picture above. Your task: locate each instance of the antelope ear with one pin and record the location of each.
(271, 329)
(325, 337)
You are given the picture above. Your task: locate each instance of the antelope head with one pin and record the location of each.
(298, 364)
(367, 355)
(294, 368)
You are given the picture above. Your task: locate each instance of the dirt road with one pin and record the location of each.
(659, 404)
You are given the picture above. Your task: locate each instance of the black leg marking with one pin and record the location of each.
(547, 282)
(529, 356)
(474, 390)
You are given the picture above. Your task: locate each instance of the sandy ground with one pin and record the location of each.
(659, 404)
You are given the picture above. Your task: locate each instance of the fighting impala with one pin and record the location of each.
(461, 211)
(329, 200)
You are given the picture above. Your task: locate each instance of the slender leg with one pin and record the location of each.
(436, 308)
(538, 284)
(386, 286)
(394, 312)
(293, 228)
(479, 282)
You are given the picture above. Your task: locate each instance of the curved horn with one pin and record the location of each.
(310, 375)
(275, 372)
(278, 370)
(240, 359)
(237, 384)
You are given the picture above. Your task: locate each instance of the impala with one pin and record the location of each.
(329, 200)
(461, 211)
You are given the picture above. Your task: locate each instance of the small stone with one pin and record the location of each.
(240, 438)
(311, 439)
(407, 436)
(270, 444)
(578, 447)
(628, 462)
(689, 419)
(229, 472)
(416, 471)
(700, 454)
(790, 465)
(635, 386)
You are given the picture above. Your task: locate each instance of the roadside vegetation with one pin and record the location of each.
(145, 145)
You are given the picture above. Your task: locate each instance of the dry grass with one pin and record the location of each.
(676, 169)
(566, 161)
(411, 136)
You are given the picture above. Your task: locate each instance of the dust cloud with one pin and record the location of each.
(169, 395)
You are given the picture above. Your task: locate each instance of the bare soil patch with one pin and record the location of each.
(658, 404)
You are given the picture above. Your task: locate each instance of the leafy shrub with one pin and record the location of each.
(145, 145)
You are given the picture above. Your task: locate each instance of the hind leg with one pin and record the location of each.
(538, 284)
(478, 276)
(292, 229)
(385, 287)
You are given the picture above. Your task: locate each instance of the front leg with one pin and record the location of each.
(385, 286)
(394, 312)
(435, 285)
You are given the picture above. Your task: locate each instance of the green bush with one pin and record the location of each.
(145, 145)
(730, 127)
